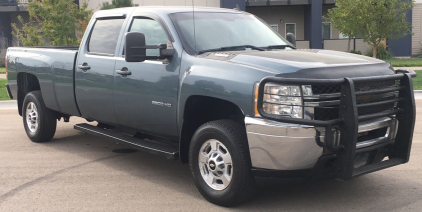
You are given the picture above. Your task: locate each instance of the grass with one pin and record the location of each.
(412, 62)
(417, 82)
(2, 70)
(3, 92)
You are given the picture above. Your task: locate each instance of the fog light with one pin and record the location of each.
(361, 159)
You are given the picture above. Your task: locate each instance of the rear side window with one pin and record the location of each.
(104, 36)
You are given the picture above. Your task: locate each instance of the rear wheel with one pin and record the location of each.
(39, 121)
(220, 163)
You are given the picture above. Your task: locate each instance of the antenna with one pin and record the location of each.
(194, 31)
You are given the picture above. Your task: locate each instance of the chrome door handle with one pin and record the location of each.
(84, 66)
(124, 72)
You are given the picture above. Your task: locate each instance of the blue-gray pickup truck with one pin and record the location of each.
(221, 90)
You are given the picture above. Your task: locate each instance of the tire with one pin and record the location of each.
(39, 121)
(226, 185)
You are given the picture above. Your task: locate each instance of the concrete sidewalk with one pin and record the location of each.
(8, 104)
(2, 76)
(411, 68)
(418, 94)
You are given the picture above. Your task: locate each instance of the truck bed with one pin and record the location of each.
(54, 67)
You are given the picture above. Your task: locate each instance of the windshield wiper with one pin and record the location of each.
(230, 48)
(279, 47)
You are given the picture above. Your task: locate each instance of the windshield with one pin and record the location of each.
(216, 30)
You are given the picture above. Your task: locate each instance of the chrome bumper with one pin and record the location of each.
(283, 146)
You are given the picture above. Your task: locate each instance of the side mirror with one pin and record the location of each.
(291, 38)
(166, 50)
(135, 48)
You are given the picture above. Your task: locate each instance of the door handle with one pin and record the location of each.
(124, 72)
(84, 66)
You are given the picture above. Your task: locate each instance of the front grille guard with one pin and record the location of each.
(348, 119)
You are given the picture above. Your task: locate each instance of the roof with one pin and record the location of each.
(166, 10)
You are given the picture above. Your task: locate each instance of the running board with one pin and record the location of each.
(147, 146)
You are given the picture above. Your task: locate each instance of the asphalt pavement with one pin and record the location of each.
(81, 172)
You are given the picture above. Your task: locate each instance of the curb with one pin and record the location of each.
(8, 104)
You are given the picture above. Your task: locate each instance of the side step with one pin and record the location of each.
(147, 146)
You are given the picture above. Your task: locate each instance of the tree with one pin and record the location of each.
(343, 19)
(57, 21)
(117, 4)
(375, 20)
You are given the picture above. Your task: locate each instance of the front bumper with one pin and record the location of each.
(352, 153)
(283, 146)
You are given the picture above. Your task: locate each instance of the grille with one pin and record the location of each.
(329, 113)
(323, 89)
(325, 114)
(366, 86)
(361, 86)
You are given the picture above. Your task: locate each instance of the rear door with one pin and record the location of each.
(95, 70)
(146, 100)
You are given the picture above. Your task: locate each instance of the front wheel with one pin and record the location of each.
(220, 163)
(39, 121)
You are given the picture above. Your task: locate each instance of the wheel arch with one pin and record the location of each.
(26, 83)
(197, 111)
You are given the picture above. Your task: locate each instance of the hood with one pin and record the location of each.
(319, 64)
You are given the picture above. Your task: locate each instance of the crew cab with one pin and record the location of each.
(221, 90)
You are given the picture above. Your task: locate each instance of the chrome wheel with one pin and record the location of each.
(215, 164)
(32, 119)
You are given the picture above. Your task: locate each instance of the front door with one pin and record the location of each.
(146, 100)
(95, 71)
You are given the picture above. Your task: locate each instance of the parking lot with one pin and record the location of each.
(80, 172)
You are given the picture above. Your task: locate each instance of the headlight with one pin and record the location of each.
(284, 100)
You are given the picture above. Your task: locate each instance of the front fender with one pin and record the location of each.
(218, 79)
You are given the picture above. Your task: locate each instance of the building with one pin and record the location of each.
(301, 17)
(11, 9)
(304, 19)
(9, 12)
(417, 28)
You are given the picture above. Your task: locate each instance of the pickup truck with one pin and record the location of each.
(221, 90)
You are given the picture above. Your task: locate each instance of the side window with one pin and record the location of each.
(274, 26)
(291, 28)
(153, 32)
(104, 36)
(326, 31)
